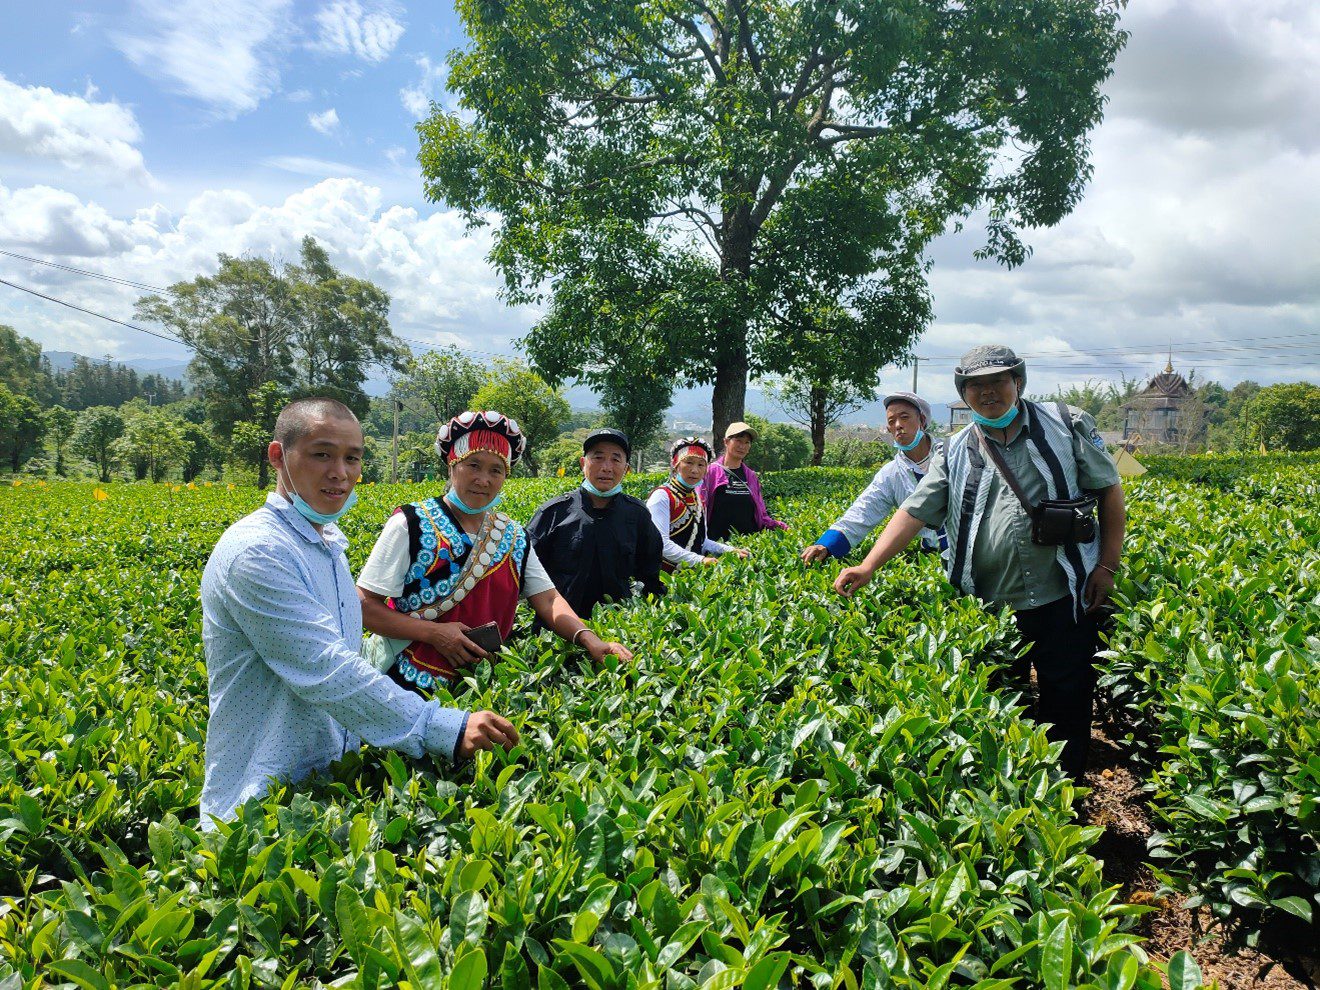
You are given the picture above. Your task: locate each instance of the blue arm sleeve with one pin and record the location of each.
(835, 543)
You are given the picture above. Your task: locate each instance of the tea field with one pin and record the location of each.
(783, 790)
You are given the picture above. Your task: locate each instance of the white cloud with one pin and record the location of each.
(416, 99)
(79, 132)
(318, 167)
(220, 53)
(346, 28)
(438, 278)
(326, 122)
(299, 96)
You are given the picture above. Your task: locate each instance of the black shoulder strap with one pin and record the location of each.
(1005, 471)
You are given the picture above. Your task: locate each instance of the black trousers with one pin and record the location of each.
(1063, 653)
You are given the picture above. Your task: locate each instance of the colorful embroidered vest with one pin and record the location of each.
(687, 519)
(452, 580)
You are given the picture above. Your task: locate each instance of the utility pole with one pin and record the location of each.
(394, 447)
(916, 361)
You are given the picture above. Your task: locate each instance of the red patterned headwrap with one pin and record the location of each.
(470, 432)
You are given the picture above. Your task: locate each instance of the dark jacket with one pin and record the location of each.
(593, 554)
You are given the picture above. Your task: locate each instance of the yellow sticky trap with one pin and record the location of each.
(1128, 466)
(100, 495)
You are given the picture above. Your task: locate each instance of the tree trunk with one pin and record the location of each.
(817, 425)
(728, 399)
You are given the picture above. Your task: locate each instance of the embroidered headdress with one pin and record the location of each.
(470, 432)
(689, 445)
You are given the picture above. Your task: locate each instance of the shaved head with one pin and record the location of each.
(298, 417)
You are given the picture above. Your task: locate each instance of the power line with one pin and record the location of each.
(82, 271)
(99, 316)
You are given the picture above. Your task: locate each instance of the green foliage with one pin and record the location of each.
(94, 437)
(59, 431)
(850, 452)
(1287, 417)
(23, 370)
(154, 443)
(1213, 674)
(696, 176)
(829, 794)
(778, 446)
(444, 382)
(304, 329)
(515, 390)
(22, 426)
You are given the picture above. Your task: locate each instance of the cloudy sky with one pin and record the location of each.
(138, 139)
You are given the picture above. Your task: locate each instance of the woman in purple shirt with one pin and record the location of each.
(731, 490)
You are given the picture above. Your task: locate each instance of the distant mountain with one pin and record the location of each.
(165, 367)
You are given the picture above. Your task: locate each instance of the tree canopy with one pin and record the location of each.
(688, 168)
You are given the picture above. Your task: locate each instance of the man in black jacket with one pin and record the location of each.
(595, 541)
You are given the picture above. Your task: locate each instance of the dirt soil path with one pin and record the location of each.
(1118, 803)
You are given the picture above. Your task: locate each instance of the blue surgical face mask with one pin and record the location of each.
(1000, 422)
(921, 435)
(452, 498)
(589, 487)
(307, 512)
(682, 482)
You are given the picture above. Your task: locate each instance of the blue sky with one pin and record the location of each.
(139, 139)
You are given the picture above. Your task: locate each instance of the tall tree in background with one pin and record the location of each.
(22, 426)
(515, 390)
(443, 381)
(59, 431)
(700, 142)
(23, 368)
(94, 437)
(1287, 417)
(342, 330)
(240, 323)
(306, 329)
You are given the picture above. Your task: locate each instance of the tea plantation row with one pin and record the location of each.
(784, 789)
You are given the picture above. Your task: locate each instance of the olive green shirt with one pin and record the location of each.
(1007, 567)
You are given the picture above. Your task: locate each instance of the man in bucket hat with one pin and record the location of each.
(908, 417)
(989, 489)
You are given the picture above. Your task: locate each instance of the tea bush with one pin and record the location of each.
(784, 789)
(1214, 672)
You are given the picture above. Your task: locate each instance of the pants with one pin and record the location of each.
(1063, 653)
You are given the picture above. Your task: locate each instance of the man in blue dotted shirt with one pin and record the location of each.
(282, 625)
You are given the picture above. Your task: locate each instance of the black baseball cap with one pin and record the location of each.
(607, 434)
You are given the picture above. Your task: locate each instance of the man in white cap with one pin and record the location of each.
(1016, 493)
(908, 418)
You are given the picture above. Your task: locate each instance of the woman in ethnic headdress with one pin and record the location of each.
(446, 565)
(678, 511)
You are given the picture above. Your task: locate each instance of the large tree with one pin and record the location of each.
(1287, 417)
(23, 368)
(517, 391)
(94, 437)
(21, 427)
(306, 329)
(443, 381)
(713, 146)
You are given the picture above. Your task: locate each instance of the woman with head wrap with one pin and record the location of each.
(678, 511)
(446, 565)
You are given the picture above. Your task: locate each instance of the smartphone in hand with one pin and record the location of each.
(487, 637)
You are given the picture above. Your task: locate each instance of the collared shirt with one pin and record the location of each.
(592, 554)
(1007, 567)
(289, 690)
(894, 482)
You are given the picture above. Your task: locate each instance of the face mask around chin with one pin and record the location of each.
(999, 422)
(307, 512)
(452, 498)
(589, 487)
(921, 435)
